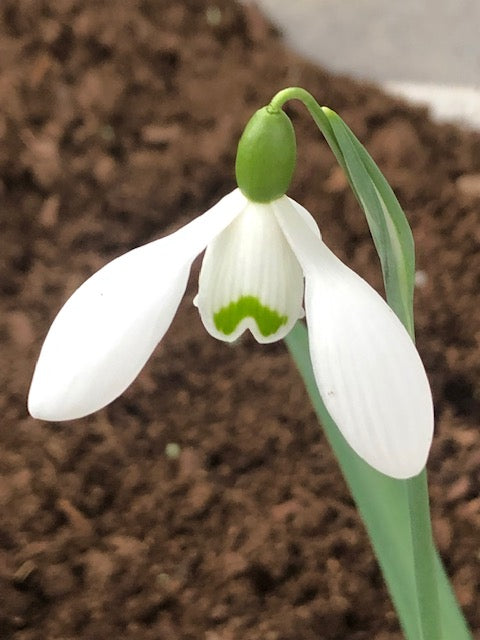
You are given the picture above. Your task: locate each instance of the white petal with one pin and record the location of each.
(250, 279)
(106, 331)
(367, 368)
(304, 214)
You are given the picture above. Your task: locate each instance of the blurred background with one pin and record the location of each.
(427, 51)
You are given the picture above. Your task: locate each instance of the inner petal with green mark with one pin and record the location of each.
(250, 279)
(268, 320)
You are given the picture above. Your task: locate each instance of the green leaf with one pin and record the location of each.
(436, 611)
(388, 225)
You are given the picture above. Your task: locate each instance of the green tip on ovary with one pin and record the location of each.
(268, 320)
(266, 156)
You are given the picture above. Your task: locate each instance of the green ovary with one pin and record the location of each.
(268, 321)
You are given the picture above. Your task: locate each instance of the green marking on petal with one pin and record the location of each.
(268, 320)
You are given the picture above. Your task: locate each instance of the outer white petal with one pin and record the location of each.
(250, 279)
(106, 331)
(367, 368)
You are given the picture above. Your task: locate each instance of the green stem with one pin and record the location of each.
(383, 504)
(424, 555)
(424, 558)
(315, 110)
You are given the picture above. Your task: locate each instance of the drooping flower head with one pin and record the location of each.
(264, 262)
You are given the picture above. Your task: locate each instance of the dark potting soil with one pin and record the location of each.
(119, 122)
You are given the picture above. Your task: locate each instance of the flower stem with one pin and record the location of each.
(424, 558)
(315, 110)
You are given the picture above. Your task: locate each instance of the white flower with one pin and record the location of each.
(367, 368)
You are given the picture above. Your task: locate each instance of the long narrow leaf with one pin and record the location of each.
(390, 229)
(383, 502)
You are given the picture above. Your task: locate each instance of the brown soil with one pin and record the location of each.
(118, 122)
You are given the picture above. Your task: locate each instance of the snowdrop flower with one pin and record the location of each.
(264, 256)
